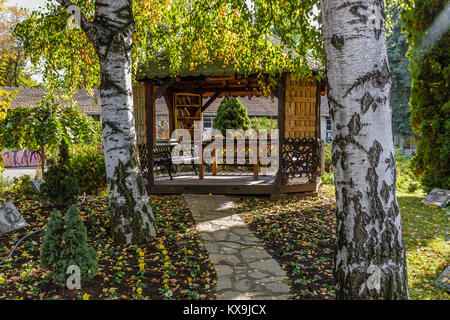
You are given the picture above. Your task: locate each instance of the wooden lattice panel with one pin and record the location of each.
(139, 112)
(300, 116)
(300, 159)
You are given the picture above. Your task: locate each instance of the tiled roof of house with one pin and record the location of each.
(256, 106)
(31, 96)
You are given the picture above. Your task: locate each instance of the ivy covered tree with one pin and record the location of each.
(401, 77)
(231, 114)
(426, 24)
(41, 128)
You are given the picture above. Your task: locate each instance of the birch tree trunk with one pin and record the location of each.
(370, 255)
(111, 32)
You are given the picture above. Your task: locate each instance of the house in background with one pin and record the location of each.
(25, 97)
(90, 105)
(256, 107)
(325, 120)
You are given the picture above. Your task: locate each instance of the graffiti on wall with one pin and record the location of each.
(21, 158)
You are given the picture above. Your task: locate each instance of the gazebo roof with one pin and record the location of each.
(160, 69)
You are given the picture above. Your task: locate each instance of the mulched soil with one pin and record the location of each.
(300, 235)
(173, 266)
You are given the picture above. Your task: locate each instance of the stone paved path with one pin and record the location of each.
(244, 269)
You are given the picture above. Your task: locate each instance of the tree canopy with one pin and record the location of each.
(274, 34)
(45, 125)
(15, 72)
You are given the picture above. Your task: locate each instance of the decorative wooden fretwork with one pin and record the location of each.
(300, 160)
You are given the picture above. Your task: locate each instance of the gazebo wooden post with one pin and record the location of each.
(281, 132)
(150, 126)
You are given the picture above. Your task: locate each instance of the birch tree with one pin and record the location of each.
(370, 255)
(111, 33)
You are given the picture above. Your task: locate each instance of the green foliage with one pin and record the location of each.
(430, 90)
(89, 168)
(60, 186)
(406, 181)
(328, 178)
(231, 114)
(203, 31)
(401, 78)
(34, 128)
(5, 95)
(22, 186)
(263, 123)
(328, 161)
(64, 244)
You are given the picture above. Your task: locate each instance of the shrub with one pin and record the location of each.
(429, 59)
(89, 167)
(22, 186)
(328, 178)
(263, 123)
(406, 181)
(328, 163)
(231, 114)
(64, 244)
(60, 186)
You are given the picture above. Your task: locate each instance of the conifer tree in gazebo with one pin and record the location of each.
(231, 114)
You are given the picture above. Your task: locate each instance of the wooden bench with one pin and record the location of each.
(162, 156)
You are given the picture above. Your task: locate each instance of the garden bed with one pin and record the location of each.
(173, 266)
(300, 235)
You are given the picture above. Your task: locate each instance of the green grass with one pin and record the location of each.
(425, 228)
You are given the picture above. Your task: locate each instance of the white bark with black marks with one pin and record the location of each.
(370, 255)
(111, 33)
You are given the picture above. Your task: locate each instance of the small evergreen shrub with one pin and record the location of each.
(60, 186)
(64, 244)
(89, 167)
(231, 114)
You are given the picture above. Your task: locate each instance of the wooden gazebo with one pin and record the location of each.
(299, 148)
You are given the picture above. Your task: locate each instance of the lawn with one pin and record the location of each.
(426, 234)
(174, 266)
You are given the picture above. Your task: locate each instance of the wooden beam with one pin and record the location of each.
(281, 129)
(211, 100)
(318, 107)
(162, 88)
